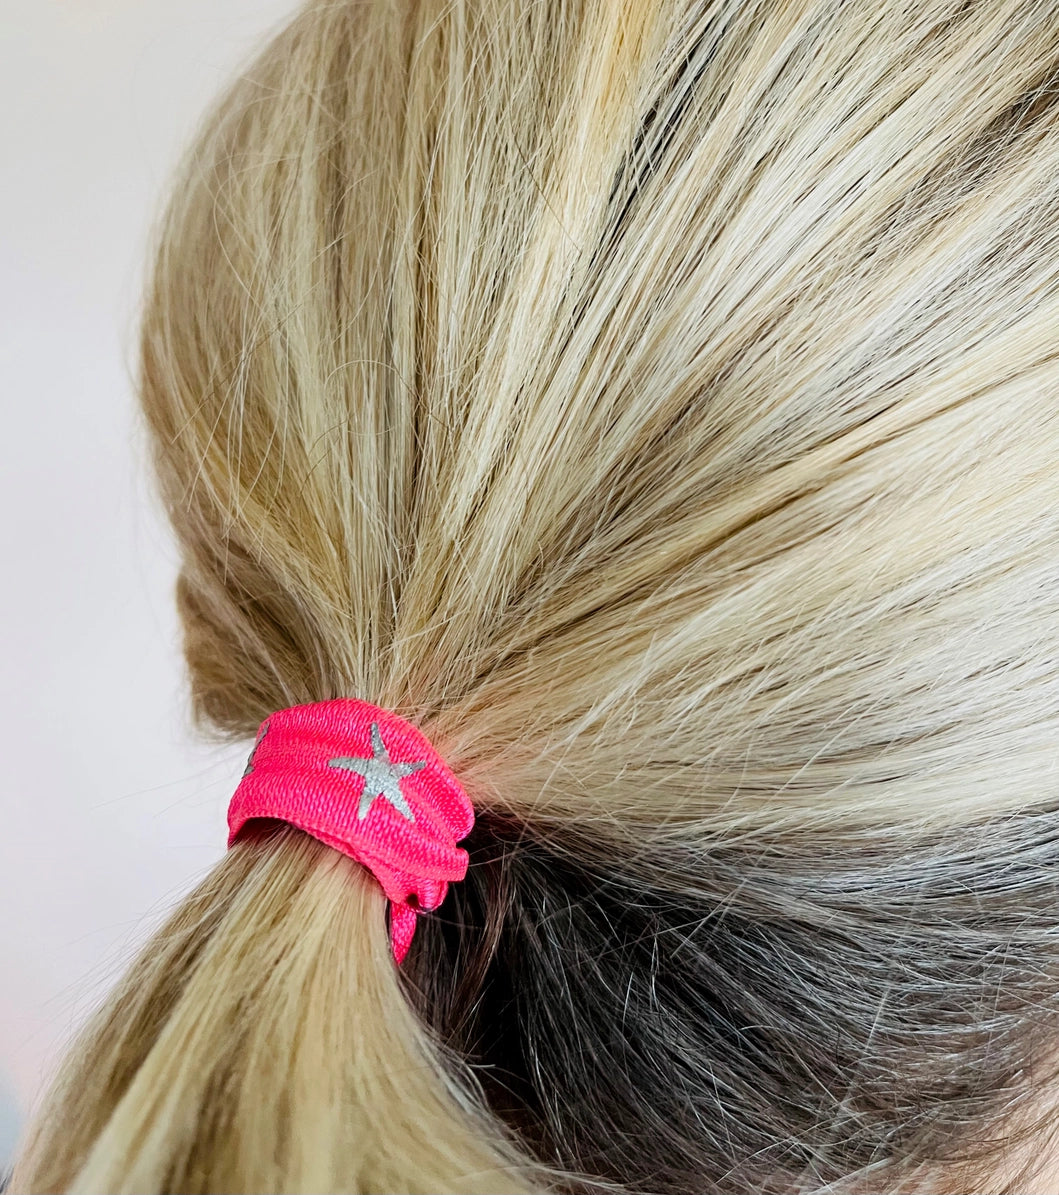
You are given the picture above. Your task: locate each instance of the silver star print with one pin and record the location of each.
(381, 777)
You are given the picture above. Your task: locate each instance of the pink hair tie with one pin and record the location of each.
(369, 784)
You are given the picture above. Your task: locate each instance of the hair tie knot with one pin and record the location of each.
(369, 784)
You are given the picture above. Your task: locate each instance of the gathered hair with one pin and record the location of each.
(658, 405)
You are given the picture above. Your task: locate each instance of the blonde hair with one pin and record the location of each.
(656, 404)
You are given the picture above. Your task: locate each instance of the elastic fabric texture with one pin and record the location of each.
(370, 784)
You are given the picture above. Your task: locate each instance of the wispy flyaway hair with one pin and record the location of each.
(658, 405)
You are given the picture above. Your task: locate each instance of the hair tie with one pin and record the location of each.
(369, 784)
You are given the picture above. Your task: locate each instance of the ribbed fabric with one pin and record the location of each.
(369, 784)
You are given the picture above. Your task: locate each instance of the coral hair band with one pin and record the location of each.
(369, 784)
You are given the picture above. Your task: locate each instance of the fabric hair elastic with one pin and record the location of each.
(369, 784)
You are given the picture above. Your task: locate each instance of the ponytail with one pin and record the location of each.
(262, 1042)
(658, 401)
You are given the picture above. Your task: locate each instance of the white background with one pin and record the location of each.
(110, 809)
